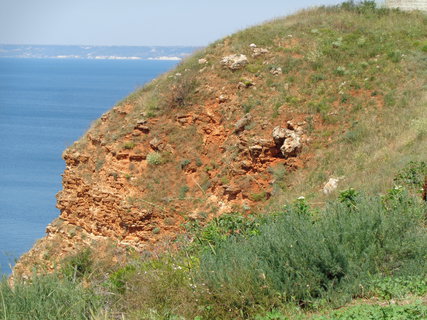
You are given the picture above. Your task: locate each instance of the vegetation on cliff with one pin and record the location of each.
(294, 264)
(225, 158)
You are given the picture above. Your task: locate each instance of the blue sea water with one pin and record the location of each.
(45, 105)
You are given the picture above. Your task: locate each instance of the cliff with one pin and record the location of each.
(253, 120)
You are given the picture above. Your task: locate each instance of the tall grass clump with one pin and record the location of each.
(330, 258)
(47, 297)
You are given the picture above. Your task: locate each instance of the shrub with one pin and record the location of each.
(184, 163)
(199, 162)
(78, 266)
(361, 7)
(129, 145)
(412, 175)
(348, 197)
(181, 92)
(223, 227)
(183, 192)
(155, 158)
(340, 71)
(117, 280)
(296, 259)
(261, 196)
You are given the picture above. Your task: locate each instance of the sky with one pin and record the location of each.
(136, 22)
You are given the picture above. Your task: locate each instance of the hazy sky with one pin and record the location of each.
(136, 22)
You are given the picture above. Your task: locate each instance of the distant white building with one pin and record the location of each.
(407, 4)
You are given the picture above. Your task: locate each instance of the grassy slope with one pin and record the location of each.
(358, 78)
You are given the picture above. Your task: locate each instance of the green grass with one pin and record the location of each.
(47, 298)
(367, 312)
(415, 311)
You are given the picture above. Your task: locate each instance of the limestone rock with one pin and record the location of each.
(143, 128)
(242, 123)
(256, 52)
(276, 71)
(223, 98)
(330, 186)
(246, 165)
(292, 145)
(235, 61)
(156, 144)
(141, 125)
(203, 61)
(105, 117)
(232, 192)
(243, 85)
(255, 150)
(137, 157)
(279, 135)
(288, 140)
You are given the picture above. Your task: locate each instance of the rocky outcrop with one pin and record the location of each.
(332, 185)
(242, 123)
(288, 140)
(137, 176)
(276, 71)
(234, 61)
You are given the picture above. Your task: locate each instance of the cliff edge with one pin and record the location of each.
(253, 120)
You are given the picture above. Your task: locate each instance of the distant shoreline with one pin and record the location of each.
(161, 53)
(95, 58)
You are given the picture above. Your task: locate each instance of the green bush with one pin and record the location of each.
(261, 196)
(184, 163)
(348, 197)
(117, 280)
(412, 175)
(221, 228)
(78, 266)
(181, 92)
(296, 259)
(183, 192)
(155, 158)
(129, 145)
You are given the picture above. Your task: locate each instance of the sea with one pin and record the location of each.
(45, 105)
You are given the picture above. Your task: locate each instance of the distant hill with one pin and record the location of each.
(95, 52)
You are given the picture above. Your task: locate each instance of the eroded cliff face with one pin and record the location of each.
(140, 189)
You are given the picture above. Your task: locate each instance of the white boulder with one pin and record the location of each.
(330, 186)
(235, 61)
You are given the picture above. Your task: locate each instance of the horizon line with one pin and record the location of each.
(99, 45)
